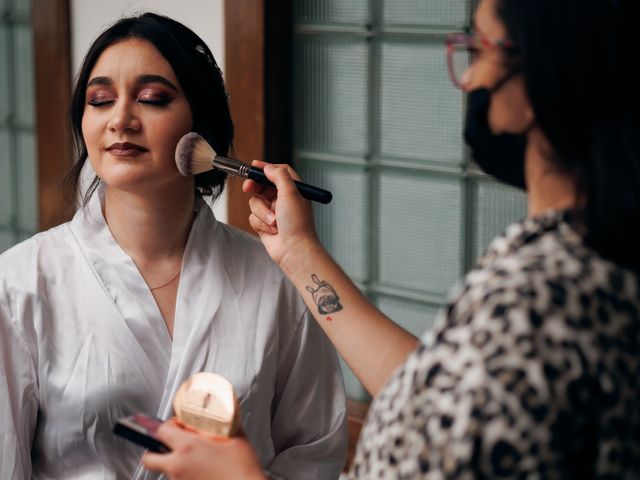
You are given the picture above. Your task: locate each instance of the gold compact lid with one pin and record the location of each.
(207, 401)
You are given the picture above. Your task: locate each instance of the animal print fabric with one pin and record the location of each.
(532, 371)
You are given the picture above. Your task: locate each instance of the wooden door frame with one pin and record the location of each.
(258, 40)
(257, 34)
(51, 24)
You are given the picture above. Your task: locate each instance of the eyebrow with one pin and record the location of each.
(140, 80)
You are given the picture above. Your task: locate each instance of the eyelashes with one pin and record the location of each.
(156, 101)
(99, 103)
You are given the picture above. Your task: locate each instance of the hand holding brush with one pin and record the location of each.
(194, 155)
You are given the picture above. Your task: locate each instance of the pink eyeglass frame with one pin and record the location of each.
(472, 43)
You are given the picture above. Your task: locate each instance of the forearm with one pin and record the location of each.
(371, 344)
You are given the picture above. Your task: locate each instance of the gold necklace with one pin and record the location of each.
(167, 282)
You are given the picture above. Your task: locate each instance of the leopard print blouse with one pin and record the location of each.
(532, 371)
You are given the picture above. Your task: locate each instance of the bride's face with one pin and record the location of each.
(134, 115)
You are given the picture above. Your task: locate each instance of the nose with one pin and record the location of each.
(466, 78)
(124, 118)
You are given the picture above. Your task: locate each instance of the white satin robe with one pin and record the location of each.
(83, 343)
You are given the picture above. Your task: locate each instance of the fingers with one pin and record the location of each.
(282, 176)
(172, 434)
(254, 188)
(262, 210)
(258, 163)
(260, 227)
(283, 166)
(156, 462)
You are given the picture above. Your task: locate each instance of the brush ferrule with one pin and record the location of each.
(231, 166)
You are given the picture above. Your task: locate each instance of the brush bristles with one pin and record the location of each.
(194, 155)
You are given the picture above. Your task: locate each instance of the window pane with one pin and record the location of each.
(452, 13)
(419, 232)
(496, 206)
(6, 176)
(7, 239)
(342, 224)
(27, 183)
(5, 71)
(332, 11)
(23, 67)
(22, 7)
(353, 387)
(422, 112)
(415, 317)
(330, 95)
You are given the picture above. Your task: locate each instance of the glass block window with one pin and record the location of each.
(18, 167)
(378, 122)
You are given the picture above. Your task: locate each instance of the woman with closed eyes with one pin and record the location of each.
(107, 315)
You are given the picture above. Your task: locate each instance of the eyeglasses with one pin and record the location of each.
(463, 48)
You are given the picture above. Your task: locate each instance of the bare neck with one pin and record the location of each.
(547, 187)
(150, 227)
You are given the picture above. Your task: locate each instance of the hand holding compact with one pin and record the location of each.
(195, 456)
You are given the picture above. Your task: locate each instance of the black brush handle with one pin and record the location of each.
(307, 191)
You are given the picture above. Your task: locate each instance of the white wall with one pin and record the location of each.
(205, 17)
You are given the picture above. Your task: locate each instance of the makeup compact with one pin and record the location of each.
(207, 402)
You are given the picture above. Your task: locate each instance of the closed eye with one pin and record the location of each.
(157, 101)
(99, 103)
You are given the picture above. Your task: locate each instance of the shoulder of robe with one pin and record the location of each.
(21, 264)
(244, 250)
(238, 244)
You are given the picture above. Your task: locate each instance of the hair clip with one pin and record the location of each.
(200, 49)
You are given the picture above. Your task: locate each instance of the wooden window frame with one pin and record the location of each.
(51, 24)
(258, 41)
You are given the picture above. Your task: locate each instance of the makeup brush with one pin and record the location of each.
(194, 155)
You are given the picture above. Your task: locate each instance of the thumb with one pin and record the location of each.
(172, 434)
(281, 179)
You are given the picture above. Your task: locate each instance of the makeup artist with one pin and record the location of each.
(533, 368)
(105, 316)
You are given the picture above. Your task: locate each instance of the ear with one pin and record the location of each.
(314, 277)
(310, 289)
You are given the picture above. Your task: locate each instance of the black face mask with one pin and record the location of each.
(501, 156)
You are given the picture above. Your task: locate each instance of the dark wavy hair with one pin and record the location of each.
(198, 75)
(579, 61)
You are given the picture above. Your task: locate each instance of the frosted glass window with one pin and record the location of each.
(332, 11)
(454, 13)
(18, 162)
(378, 122)
(23, 68)
(415, 90)
(22, 7)
(342, 225)
(415, 317)
(496, 206)
(7, 239)
(6, 180)
(5, 71)
(419, 232)
(28, 182)
(330, 101)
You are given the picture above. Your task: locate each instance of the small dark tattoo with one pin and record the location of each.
(325, 296)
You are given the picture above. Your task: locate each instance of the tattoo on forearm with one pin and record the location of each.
(325, 296)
